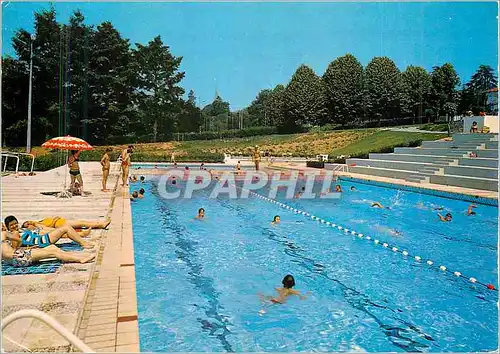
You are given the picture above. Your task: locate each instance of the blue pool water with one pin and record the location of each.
(197, 281)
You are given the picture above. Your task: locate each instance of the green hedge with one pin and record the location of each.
(54, 159)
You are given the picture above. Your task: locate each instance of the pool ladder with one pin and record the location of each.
(52, 323)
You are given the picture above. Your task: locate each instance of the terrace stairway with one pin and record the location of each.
(440, 162)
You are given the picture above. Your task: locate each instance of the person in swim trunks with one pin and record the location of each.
(57, 221)
(105, 163)
(24, 257)
(126, 162)
(74, 170)
(32, 238)
(283, 293)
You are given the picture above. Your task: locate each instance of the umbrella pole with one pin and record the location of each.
(65, 193)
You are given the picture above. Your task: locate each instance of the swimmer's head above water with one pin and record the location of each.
(338, 188)
(288, 281)
(276, 219)
(201, 213)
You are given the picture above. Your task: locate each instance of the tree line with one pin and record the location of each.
(89, 81)
(349, 94)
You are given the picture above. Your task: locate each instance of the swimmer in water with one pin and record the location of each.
(302, 190)
(353, 189)
(143, 179)
(141, 193)
(174, 181)
(276, 220)
(201, 214)
(134, 195)
(378, 205)
(283, 293)
(338, 188)
(446, 218)
(470, 211)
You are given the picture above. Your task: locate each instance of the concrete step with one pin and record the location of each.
(432, 151)
(469, 171)
(412, 158)
(479, 162)
(487, 153)
(492, 145)
(393, 164)
(473, 136)
(418, 178)
(466, 182)
(450, 144)
(384, 172)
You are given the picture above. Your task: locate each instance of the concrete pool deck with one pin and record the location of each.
(96, 301)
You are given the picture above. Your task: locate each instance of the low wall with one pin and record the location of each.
(482, 121)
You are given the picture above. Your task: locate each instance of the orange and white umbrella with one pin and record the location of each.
(67, 143)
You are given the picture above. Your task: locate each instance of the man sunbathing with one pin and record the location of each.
(24, 257)
(32, 238)
(57, 221)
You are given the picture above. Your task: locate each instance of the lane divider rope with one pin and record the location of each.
(370, 239)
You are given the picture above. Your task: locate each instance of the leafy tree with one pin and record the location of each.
(475, 93)
(416, 86)
(189, 118)
(45, 77)
(157, 91)
(258, 109)
(304, 100)
(276, 108)
(191, 98)
(14, 101)
(444, 87)
(217, 107)
(383, 88)
(110, 82)
(343, 82)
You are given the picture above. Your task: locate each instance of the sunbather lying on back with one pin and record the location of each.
(32, 238)
(24, 257)
(57, 221)
(44, 229)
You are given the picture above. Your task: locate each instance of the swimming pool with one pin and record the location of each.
(197, 281)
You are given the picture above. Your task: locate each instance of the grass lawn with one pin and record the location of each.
(384, 141)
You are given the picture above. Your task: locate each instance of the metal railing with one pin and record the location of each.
(16, 155)
(52, 323)
(338, 167)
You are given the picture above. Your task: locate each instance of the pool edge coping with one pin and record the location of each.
(398, 184)
(108, 320)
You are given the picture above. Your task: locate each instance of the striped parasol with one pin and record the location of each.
(67, 143)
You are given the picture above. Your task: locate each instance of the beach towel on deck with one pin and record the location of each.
(44, 267)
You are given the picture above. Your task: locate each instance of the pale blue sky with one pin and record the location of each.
(241, 48)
